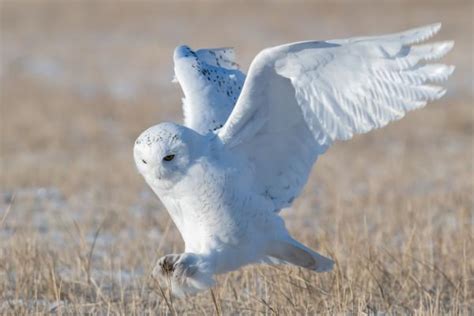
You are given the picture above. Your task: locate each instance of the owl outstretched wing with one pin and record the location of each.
(299, 98)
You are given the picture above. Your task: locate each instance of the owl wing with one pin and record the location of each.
(211, 83)
(299, 98)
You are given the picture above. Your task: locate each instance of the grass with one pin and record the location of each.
(80, 231)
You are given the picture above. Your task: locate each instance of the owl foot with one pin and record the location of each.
(186, 273)
(164, 268)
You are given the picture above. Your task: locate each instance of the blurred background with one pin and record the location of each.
(79, 80)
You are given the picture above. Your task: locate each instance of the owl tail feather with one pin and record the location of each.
(294, 252)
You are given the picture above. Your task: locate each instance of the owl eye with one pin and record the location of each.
(168, 158)
(144, 161)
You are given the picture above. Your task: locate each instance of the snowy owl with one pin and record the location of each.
(249, 142)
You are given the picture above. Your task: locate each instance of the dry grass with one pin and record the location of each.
(80, 231)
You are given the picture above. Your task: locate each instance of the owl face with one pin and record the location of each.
(163, 153)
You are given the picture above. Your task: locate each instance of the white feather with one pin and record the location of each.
(299, 98)
(211, 83)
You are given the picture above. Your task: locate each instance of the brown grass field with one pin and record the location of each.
(80, 231)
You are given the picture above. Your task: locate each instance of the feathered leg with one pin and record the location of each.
(187, 273)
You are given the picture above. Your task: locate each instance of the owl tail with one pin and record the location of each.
(294, 252)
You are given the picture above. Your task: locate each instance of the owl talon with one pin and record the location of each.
(165, 266)
(184, 273)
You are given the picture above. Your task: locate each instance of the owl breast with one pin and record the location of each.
(210, 207)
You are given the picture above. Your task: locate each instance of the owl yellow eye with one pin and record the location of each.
(168, 158)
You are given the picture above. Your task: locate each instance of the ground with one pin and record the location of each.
(80, 231)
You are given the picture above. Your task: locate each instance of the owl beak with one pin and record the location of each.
(157, 174)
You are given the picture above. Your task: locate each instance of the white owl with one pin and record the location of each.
(248, 143)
